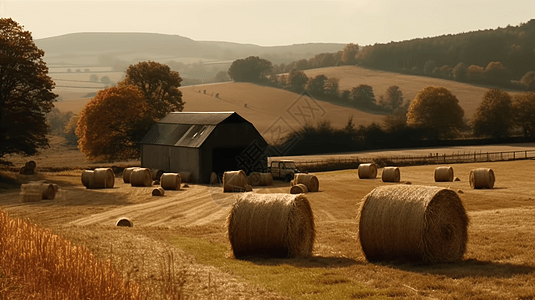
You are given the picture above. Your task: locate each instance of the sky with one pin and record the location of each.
(270, 23)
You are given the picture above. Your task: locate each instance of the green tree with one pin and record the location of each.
(113, 123)
(349, 54)
(70, 131)
(316, 85)
(524, 113)
(221, 76)
(297, 80)
(25, 91)
(494, 115)
(251, 69)
(436, 110)
(159, 85)
(393, 98)
(363, 96)
(93, 78)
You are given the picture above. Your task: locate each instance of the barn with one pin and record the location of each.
(202, 143)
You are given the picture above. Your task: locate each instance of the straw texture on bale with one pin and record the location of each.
(186, 176)
(87, 178)
(170, 181)
(391, 174)
(141, 177)
(127, 172)
(280, 225)
(103, 178)
(234, 181)
(413, 223)
(443, 174)
(159, 191)
(124, 222)
(213, 178)
(260, 179)
(156, 174)
(298, 189)
(48, 191)
(31, 192)
(482, 178)
(367, 171)
(310, 180)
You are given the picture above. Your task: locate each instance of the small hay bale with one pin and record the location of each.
(87, 178)
(310, 180)
(279, 225)
(31, 192)
(443, 174)
(213, 178)
(48, 191)
(260, 179)
(104, 178)
(156, 173)
(26, 171)
(391, 174)
(127, 172)
(124, 222)
(248, 188)
(298, 189)
(141, 177)
(159, 191)
(367, 171)
(482, 178)
(413, 223)
(30, 165)
(156, 182)
(170, 181)
(185, 176)
(185, 185)
(234, 181)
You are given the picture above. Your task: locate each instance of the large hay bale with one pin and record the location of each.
(272, 224)
(170, 181)
(186, 176)
(141, 177)
(127, 173)
(413, 223)
(310, 180)
(87, 178)
(124, 222)
(443, 174)
(298, 189)
(31, 192)
(260, 179)
(156, 173)
(48, 191)
(391, 174)
(367, 171)
(482, 178)
(159, 191)
(234, 181)
(103, 178)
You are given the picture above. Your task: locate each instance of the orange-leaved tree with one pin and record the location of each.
(494, 116)
(436, 110)
(113, 123)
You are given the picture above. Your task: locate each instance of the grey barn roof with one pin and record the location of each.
(199, 118)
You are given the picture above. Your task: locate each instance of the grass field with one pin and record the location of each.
(187, 228)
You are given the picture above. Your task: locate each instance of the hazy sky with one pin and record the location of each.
(270, 23)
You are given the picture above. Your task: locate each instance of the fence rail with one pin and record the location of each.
(411, 160)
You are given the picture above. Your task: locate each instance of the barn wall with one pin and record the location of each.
(186, 159)
(155, 157)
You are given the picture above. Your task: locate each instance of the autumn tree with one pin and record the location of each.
(436, 110)
(349, 54)
(524, 113)
(494, 115)
(159, 84)
(251, 69)
(25, 91)
(331, 87)
(113, 123)
(297, 80)
(495, 72)
(316, 85)
(363, 96)
(393, 98)
(459, 73)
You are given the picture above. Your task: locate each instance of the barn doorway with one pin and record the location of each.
(226, 159)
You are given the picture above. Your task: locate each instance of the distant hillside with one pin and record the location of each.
(71, 48)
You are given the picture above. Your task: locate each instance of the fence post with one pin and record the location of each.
(475, 156)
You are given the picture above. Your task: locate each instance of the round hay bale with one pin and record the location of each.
(298, 189)
(260, 179)
(104, 177)
(310, 180)
(87, 178)
(367, 171)
(156, 174)
(170, 181)
(31, 192)
(234, 181)
(124, 222)
(30, 165)
(413, 223)
(48, 192)
(56, 187)
(391, 174)
(127, 172)
(213, 178)
(156, 182)
(272, 224)
(159, 191)
(186, 176)
(26, 171)
(482, 178)
(141, 177)
(443, 174)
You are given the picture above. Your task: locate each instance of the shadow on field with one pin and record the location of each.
(469, 268)
(311, 262)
